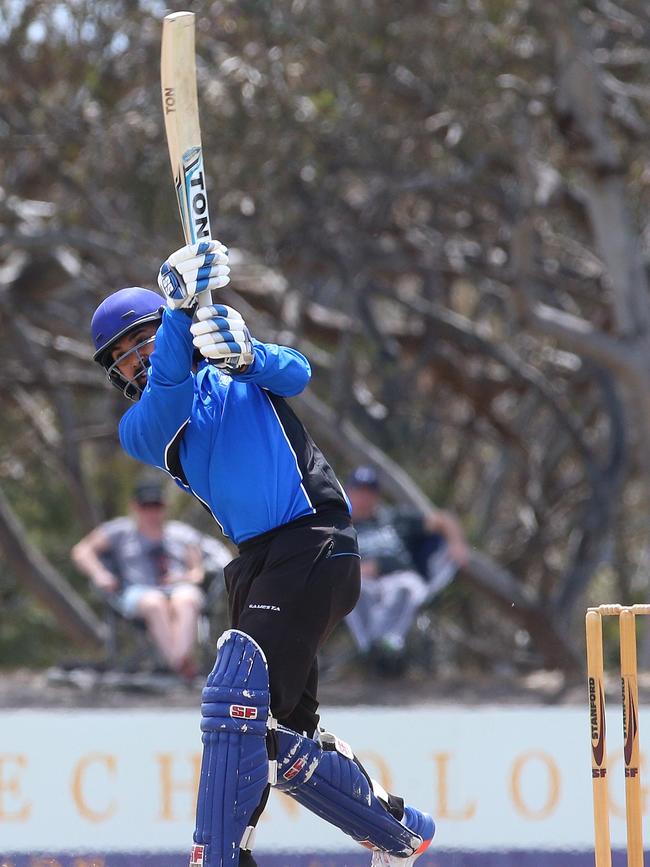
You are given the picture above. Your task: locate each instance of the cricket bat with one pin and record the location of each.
(181, 113)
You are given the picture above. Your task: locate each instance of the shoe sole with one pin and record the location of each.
(387, 860)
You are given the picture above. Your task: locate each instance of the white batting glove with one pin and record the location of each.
(191, 270)
(221, 335)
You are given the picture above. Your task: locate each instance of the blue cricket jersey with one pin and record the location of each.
(232, 441)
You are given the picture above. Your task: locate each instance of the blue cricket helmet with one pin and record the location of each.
(120, 313)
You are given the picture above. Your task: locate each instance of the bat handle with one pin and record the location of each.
(204, 299)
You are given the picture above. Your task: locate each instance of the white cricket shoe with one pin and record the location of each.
(384, 859)
(420, 823)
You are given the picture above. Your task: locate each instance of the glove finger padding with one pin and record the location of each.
(211, 271)
(193, 269)
(218, 323)
(215, 311)
(234, 341)
(221, 335)
(179, 258)
(206, 280)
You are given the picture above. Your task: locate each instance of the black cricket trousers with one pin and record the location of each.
(288, 589)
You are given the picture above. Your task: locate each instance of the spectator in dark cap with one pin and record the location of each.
(396, 580)
(364, 477)
(151, 569)
(149, 493)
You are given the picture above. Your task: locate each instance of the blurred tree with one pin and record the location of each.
(441, 203)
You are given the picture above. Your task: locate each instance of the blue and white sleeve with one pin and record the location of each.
(147, 429)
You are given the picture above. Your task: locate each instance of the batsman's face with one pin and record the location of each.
(131, 353)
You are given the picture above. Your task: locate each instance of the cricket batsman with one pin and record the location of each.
(221, 427)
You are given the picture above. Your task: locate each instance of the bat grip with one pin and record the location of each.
(204, 299)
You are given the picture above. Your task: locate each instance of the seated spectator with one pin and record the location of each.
(405, 560)
(150, 568)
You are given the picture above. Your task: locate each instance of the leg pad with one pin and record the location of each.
(234, 767)
(324, 776)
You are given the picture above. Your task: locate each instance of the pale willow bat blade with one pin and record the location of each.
(181, 113)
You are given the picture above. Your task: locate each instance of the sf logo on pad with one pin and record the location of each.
(242, 711)
(196, 858)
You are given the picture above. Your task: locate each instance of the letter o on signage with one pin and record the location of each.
(553, 785)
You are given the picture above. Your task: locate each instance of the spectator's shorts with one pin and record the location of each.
(129, 600)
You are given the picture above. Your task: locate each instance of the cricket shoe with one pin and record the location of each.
(421, 824)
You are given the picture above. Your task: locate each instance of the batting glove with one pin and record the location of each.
(221, 335)
(193, 269)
